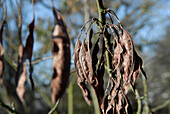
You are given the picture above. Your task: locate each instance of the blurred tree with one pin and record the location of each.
(159, 72)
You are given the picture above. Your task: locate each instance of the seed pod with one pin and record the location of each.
(117, 53)
(94, 55)
(137, 64)
(81, 80)
(21, 75)
(27, 54)
(137, 67)
(128, 57)
(61, 58)
(127, 105)
(117, 50)
(86, 64)
(20, 84)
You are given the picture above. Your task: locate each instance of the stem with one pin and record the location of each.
(139, 102)
(95, 101)
(165, 104)
(106, 36)
(11, 109)
(146, 106)
(54, 108)
(100, 11)
(70, 98)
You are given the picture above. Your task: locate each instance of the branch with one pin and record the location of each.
(11, 109)
(54, 108)
(145, 87)
(102, 19)
(165, 104)
(39, 60)
(139, 101)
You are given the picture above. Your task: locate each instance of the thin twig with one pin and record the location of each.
(11, 109)
(54, 108)
(39, 60)
(165, 104)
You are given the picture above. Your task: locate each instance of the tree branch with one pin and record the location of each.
(11, 109)
(165, 104)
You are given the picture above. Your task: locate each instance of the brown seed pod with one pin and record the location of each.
(61, 58)
(20, 84)
(137, 65)
(127, 105)
(86, 64)
(21, 75)
(128, 59)
(28, 50)
(81, 80)
(117, 50)
(94, 55)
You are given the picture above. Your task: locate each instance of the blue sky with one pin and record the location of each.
(154, 30)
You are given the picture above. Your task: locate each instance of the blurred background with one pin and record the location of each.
(148, 21)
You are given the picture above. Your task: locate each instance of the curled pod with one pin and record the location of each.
(128, 58)
(61, 58)
(81, 79)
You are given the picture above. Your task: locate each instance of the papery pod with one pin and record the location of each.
(20, 85)
(137, 64)
(86, 64)
(128, 107)
(104, 104)
(81, 80)
(100, 72)
(117, 52)
(61, 58)
(128, 59)
(94, 55)
(21, 75)
(28, 50)
(120, 105)
(90, 37)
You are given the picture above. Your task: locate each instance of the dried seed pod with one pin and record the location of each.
(137, 67)
(29, 49)
(94, 55)
(128, 57)
(119, 106)
(81, 80)
(90, 37)
(137, 64)
(61, 58)
(86, 64)
(21, 75)
(117, 50)
(20, 84)
(104, 104)
(128, 107)
(117, 53)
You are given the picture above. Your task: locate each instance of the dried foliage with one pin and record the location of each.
(126, 66)
(61, 58)
(81, 80)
